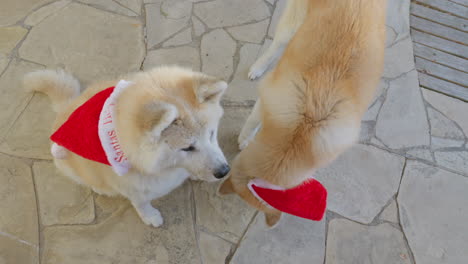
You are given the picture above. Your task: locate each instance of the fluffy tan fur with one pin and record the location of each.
(311, 104)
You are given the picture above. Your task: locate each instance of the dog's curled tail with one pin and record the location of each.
(60, 86)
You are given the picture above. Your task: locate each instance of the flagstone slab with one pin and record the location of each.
(213, 250)
(182, 56)
(10, 37)
(294, 240)
(432, 204)
(61, 200)
(124, 238)
(19, 212)
(402, 121)
(361, 182)
(14, 98)
(29, 135)
(225, 13)
(217, 54)
(14, 10)
(166, 18)
(14, 251)
(349, 242)
(90, 43)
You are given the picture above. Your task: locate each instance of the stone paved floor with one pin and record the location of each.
(399, 196)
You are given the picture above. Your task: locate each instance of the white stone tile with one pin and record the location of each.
(433, 213)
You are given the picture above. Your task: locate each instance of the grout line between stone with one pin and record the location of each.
(194, 219)
(231, 254)
(2, 233)
(105, 10)
(38, 210)
(410, 251)
(2, 140)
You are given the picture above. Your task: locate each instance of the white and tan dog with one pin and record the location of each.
(166, 123)
(310, 106)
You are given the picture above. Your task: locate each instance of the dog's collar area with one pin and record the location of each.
(90, 131)
(307, 200)
(108, 134)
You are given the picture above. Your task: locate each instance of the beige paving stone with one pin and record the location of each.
(124, 238)
(399, 59)
(14, 251)
(227, 216)
(14, 10)
(37, 16)
(61, 200)
(29, 135)
(226, 13)
(198, 27)
(19, 212)
(183, 56)
(280, 6)
(349, 242)
(13, 97)
(165, 18)
(10, 37)
(402, 120)
(455, 160)
(242, 89)
(294, 240)
(181, 38)
(432, 204)
(361, 182)
(84, 51)
(111, 6)
(398, 17)
(229, 128)
(452, 108)
(254, 33)
(134, 5)
(390, 213)
(3, 63)
(217, 53)
(213, 250)
(443, 127)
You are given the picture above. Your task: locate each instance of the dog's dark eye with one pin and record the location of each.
(190, 148)
(211, 135)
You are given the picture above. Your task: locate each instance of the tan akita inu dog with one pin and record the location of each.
(166, 124)
(310, 106)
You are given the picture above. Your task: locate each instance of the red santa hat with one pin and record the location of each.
(307, 200)
(90, 131)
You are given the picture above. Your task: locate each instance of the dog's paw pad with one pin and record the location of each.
(155, 219)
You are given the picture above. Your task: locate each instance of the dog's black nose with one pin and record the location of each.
(222, 171)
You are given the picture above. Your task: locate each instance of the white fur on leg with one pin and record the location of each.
(149, 214)
(251, 127)
(245, 138)
(58, 152)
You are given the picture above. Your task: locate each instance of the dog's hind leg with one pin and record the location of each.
(288, 24)
(251, 127)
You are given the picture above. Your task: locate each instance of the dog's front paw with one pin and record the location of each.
(154, 218)
(256, 70)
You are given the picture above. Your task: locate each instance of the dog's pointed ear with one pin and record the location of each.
(157, 116)
(272, 218)
(210, 90)
(226, 187)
